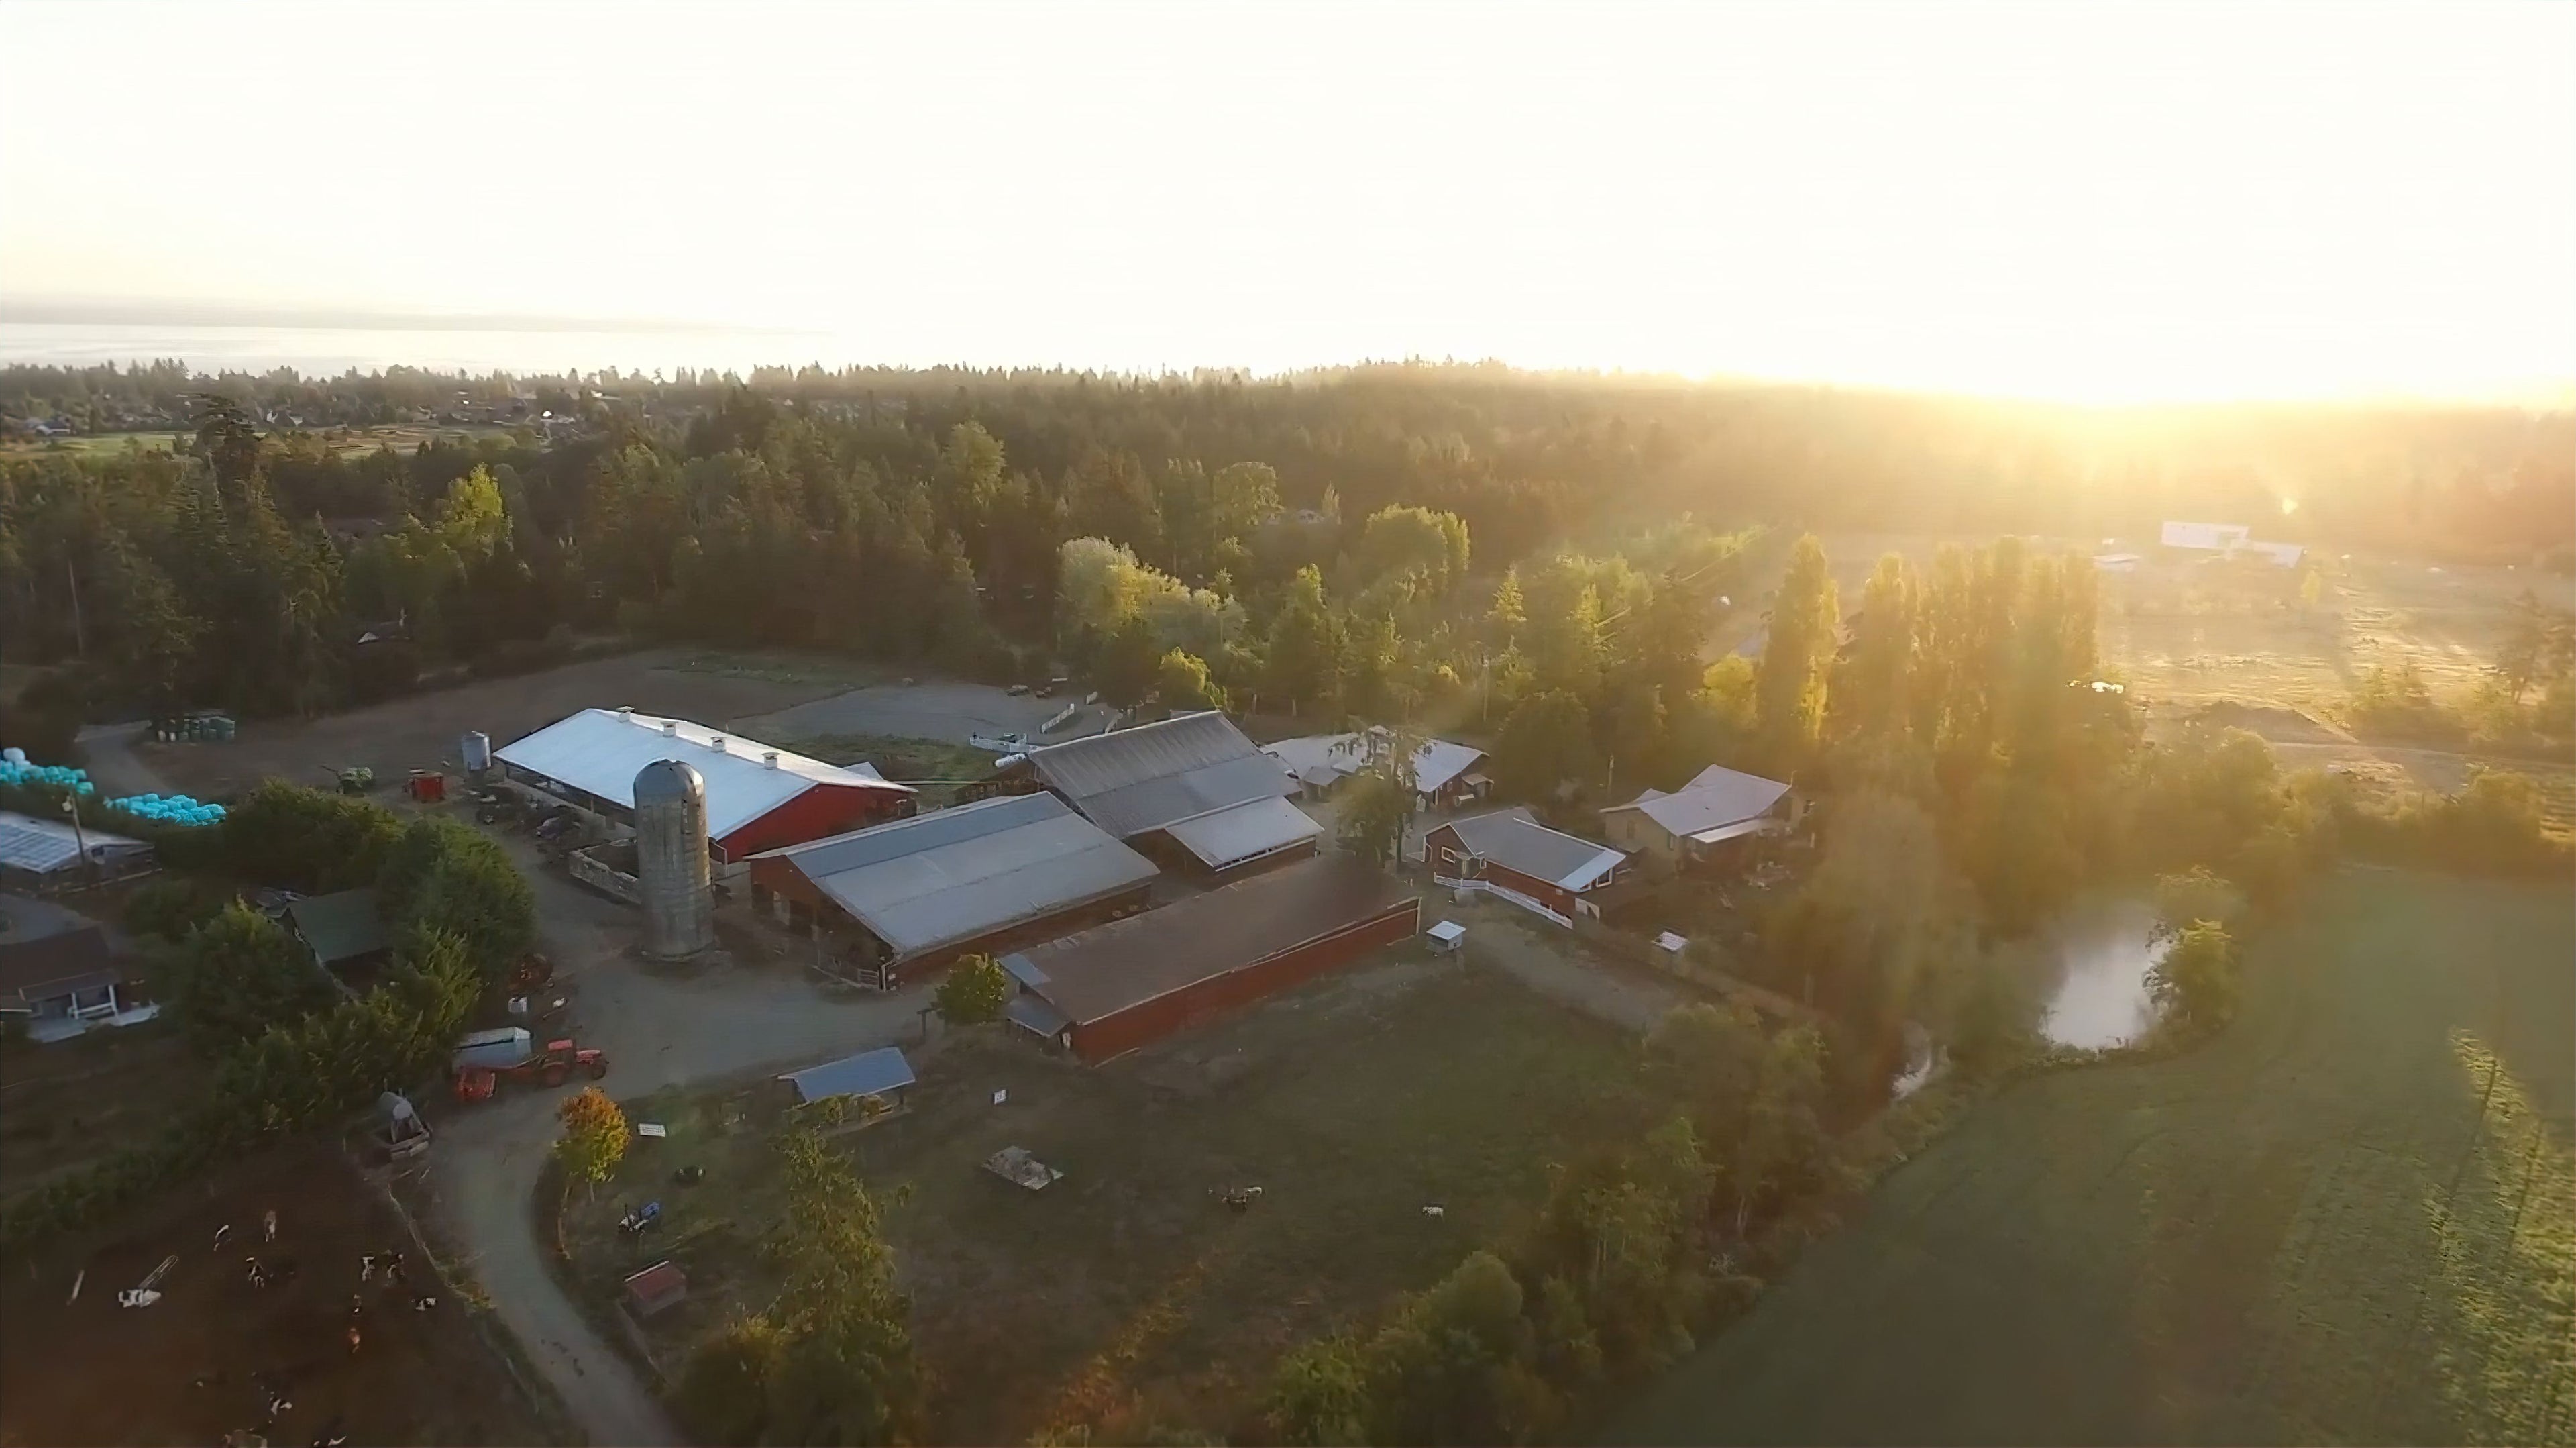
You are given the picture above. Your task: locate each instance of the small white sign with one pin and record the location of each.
(1001, 1096)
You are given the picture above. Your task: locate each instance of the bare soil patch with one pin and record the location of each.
(90, 1371)
(424, 731)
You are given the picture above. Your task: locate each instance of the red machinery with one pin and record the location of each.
(550, 1067)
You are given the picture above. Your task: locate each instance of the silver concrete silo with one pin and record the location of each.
(671, 860)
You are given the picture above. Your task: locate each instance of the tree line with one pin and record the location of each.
(925, 514)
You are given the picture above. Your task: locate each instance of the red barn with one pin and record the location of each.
(1510, 854)
(758, 797)
(1122, 986)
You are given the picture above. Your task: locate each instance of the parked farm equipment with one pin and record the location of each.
(487, 1058)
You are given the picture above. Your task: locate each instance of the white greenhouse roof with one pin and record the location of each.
(42, 846)
(599, 752)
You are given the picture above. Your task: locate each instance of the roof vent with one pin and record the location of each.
(716, 743)
(671, 727)
(626, 712)
(769, 757)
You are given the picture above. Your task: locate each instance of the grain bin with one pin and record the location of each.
(671, 860)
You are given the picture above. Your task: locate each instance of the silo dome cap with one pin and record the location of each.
(669, 779)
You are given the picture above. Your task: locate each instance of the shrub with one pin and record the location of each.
(594, 1136)
(2195, 983)
(974, 991)
(170, 907)
(723, 1392)
(306, 840)
(240, 975)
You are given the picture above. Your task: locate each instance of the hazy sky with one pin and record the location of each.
(2071, 200)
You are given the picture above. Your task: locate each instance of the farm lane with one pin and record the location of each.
(1550, 961)
(108, 751)
(661, 1028)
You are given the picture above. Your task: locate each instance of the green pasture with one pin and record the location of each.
(2351, 1218)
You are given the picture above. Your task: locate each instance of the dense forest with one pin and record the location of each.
(275, 563)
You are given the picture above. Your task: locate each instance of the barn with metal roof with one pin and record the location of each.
(1118, 987)
(759, 797)
(1191, 791)
(894, 901)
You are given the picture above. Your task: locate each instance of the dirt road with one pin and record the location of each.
(1552, 962)
(108, 752)
(661, 1028)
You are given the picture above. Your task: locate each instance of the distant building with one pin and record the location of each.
(894, 902)
(1190, 792)
(44, 855)
(1511, 855)
(2205, 537)
(758, 797)
(341, 930)
(1694, 824)
(1119, 987)
(1442, 771)
(59, 972)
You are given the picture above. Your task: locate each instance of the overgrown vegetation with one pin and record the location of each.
(293, 1055)
(830, 1360)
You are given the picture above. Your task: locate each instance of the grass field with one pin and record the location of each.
(2351, 1218)
(1126, 1294)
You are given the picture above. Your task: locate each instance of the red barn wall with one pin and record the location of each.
(1145, 1023)
(826, 809)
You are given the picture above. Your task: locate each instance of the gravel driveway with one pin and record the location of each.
(661, 1027)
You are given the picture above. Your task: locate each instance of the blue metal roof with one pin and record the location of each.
(1033, 1013)
(1024, 970)
(869, 1073)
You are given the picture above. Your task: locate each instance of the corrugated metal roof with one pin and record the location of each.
(601, 751)
(1714, 798)
(1033, 1013)
(42, 846)
(1247, 830)
(342, 926)
(1314, 758)
(954, 874)
(1127, 962)
(47, 950)
(1150, 778)
(1514, 839)
(869, 1073)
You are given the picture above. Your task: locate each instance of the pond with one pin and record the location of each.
(2103, 950)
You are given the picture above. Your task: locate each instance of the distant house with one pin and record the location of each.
(2205, 537)
(1442, 771)
(1510, 854)
(59, 972)
(341, 930)
(2232, 540)
(898, 900)
(1190, 792)
(1691, 825)
(44, 855)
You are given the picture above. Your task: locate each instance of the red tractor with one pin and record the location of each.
(477, 1079)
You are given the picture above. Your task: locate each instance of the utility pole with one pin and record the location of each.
(80, 638)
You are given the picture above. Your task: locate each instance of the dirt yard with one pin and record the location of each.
(1127, 1295)
(423, 730)
(88, 1371)
(67, 1104)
